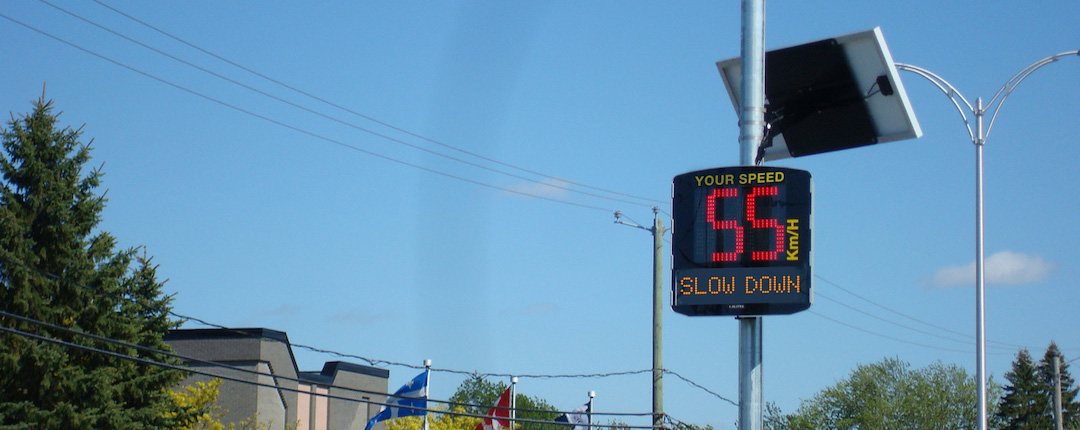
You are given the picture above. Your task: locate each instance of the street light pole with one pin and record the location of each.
(978, 136)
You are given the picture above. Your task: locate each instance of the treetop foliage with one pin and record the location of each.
(888, 395)
(55, 267)
(1028, 402)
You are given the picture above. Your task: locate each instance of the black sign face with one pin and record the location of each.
(741, 241)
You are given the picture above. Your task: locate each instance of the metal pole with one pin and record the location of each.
(978, 137)
(513, 401)
(750, 398)
(980, 315)
(658, 322)
(589, 409)
(427, 384)
(752, 114)
(751, 131)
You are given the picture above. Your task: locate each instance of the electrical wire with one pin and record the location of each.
(373, 362)
(150, 362)
(920, 331)
(1000, 346)
(893, 311)
(188, 359)
(366, 117)
(882, 335)
(355, 126)
(695, 384)
(346, 123)
(301, 130)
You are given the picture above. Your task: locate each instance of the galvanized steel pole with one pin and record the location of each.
(979, 133)
(751, 132)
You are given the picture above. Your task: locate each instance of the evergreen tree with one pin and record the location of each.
(1029, 399)
(1070, 407)
(56, 267)
(1024, 407)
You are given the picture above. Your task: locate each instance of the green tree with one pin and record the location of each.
(56, 267)
(1070, 407)
(479, 391)
(889, 395)
(1028, 402)
(1023, 405)
(476, 396)
(685, 426)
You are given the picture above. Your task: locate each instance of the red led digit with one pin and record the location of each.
(724, 224)
(768, 223)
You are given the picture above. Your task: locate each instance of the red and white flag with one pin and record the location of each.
(499, 415)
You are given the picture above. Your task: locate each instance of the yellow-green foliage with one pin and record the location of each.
(199, 404)
(436, 421)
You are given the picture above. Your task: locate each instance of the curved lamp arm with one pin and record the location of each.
(950, 91)
(1016, 79)
(996, 102)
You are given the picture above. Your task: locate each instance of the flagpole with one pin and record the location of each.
(513, 400)
(427, 383)
(589, 411)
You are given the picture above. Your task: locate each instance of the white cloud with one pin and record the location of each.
(550, 188)
(1002, 268)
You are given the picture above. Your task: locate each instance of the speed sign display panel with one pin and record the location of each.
(741, 241)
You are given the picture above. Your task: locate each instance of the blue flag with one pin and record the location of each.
(579, 416)
(407, 401)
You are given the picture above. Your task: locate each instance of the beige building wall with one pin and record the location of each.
(279, 399)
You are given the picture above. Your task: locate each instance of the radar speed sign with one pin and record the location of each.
(741, 241)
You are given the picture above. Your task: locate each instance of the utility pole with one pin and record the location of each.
(1059, 420)
(658, 322)
(657, 231)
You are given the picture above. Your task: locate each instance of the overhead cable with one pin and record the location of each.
(216, 364)
(371, 361)
(879, 318)
(149, 362)
(920, 321)
(301, 130)
(353, 125)
(361, 115)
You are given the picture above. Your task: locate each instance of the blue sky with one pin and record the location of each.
(337, 230)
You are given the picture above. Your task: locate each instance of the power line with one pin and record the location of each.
(189, 359)
(920, 321)
(350, 124)
(358, 114)
(920, 331)
(695, 384)
(150, 362)
(346, 355)
(882, 335)
(301, 130)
